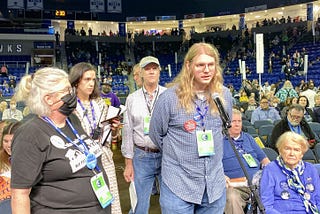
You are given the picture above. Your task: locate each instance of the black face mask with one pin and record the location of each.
(69, 104)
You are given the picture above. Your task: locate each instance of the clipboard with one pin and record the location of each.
(113, 112)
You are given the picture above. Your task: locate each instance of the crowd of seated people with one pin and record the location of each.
(307, 95)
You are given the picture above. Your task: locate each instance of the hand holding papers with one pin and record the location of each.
(112, 114)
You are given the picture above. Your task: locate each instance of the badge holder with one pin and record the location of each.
(101, 190)
(254, 196)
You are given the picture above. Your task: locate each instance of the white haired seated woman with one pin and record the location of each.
(288, 184)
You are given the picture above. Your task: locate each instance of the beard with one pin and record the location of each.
(106, 91)
(293, 123)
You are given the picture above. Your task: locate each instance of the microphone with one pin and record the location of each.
(223, 114)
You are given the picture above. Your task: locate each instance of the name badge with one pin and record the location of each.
(250, 160)
(101, 190)
(205, 143)
(146, 124)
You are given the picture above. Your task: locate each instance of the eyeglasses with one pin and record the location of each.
(264, 102)
(203, 66)
(295, 117)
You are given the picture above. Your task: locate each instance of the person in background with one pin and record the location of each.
(138, 84)
(252, 105)
(253, 158)
(308, 113)
(108, 96)
(12, 112)
(56, 167)
(7, 130)
(289, 101)
(275, 102)
(91, 110)
(308, 93)
(136, 76)
(316, 109)
(287, 91)
(3, 106)
(142, 157)
(265, 112)
(288, 184)
(294, 122)
(243, 97)
(4, 70)
(187, 128)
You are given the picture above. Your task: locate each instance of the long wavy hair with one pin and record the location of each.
(8, 127)
(184, 81)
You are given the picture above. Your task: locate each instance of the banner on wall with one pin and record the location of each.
(310, 12)
(242, 21)
(97, 6)
(180, 24)
(15, 4)
(114, 6)
(70, 24)
(35, 5)
(122, 29)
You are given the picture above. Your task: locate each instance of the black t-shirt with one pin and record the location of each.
(54, 169)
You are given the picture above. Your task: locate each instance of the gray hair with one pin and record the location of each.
(297, 107)
(294, 137)
(32, 88)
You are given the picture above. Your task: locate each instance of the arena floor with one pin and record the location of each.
(124, 186)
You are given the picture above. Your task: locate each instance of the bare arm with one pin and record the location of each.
(128, 171)
(20, 201)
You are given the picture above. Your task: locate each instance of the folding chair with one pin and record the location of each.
(315, 126)
(264, 131)
(309, 157)
(271, 153)
(259, 123)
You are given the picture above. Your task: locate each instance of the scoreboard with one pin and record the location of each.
(59, 14)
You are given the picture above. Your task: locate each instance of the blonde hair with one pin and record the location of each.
(293, 137)
(185, 89)
(33, 88)
(3, 105)
(137, 71)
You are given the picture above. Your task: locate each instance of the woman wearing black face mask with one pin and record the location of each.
(56, 167)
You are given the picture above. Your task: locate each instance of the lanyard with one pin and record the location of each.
(296, 129)
(83, 148)
(86, 114)
(154, 100)
(239, 145)
(202, 114)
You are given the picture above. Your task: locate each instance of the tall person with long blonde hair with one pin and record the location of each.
(187, 128)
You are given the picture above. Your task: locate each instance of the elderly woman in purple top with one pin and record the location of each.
(288, 184)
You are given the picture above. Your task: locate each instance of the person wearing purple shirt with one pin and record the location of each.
(108, 96)
(288, 184)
